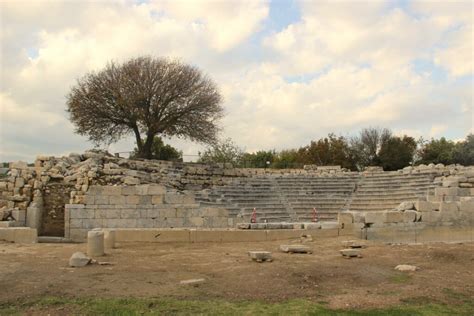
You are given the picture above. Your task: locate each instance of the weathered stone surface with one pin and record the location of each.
(79, 259)
(260, 256)
(406, 267)
(295, 249)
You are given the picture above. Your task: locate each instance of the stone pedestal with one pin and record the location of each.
(95, 243)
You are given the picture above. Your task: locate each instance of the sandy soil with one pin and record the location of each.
(155, 270)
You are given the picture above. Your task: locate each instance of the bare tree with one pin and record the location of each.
(146, 97)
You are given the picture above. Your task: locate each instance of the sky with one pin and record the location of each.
(289, 71)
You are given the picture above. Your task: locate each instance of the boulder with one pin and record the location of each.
(79, 259)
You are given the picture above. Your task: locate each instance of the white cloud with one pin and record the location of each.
(342, 66)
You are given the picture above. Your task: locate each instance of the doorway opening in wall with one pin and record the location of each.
(55, 196)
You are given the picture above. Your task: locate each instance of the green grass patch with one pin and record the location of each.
(400, 278)
(136, 306)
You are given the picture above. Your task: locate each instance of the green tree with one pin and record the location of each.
(223, 152)
(146, 97)
(258, 159)
(331, 150)
(287, 159)
(161, 151)
(463, 152)
(397, 153)
(437, 151)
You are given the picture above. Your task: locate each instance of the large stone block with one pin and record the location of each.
(157, 199)
(81, 213)
(129, 190)
(345, 218)
(449, 212)
(425, 206)
(117, 200)
(120, 223)
(431, 217)
(410, 216)
(130, 213)
(111, 190)
(132, 199)
(156, 190)
(447, 191)
(92, 223)
(375, 217)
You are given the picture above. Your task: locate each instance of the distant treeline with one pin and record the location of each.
(371, 147)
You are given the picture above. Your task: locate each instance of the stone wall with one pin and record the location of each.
(139, 206)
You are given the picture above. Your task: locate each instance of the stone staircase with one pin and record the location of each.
(386, 190)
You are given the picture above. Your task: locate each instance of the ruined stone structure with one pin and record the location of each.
(68, 196)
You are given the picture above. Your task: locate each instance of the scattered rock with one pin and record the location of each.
(406, 267)
(306, 238)
(351, 253)
(261, 256)
(79, 259)
(192, 281)
(295, 249)
(354, 244)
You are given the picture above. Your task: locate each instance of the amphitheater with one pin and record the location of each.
(157, 201)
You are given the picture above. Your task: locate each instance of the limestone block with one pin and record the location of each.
(350, 252)
(466, 206)
(144, 200)
(34, 216)
(82, 213)
(78, 259)
(375, 217)
(75, 223)
(446, 191)
(260, 256)
(102, 200)
(132, 199)
(111, 190)
(145, 223)
(173, 222)
(345, 218)
(295, 248)
(130, 213)
(129, 190)
(174, 198)
(465, 185)
(120, 223)
(157, 199)
(78, 235)
(425, 206)
(156, 190)
(194, 222)
(431, 216)
(449, 212)
(410, 216)
(117, 199)
(95, 243)
(91, 223)
(394, 217)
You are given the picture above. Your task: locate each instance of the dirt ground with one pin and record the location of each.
(155, 270)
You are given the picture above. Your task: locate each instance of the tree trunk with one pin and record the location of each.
(145, 151)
